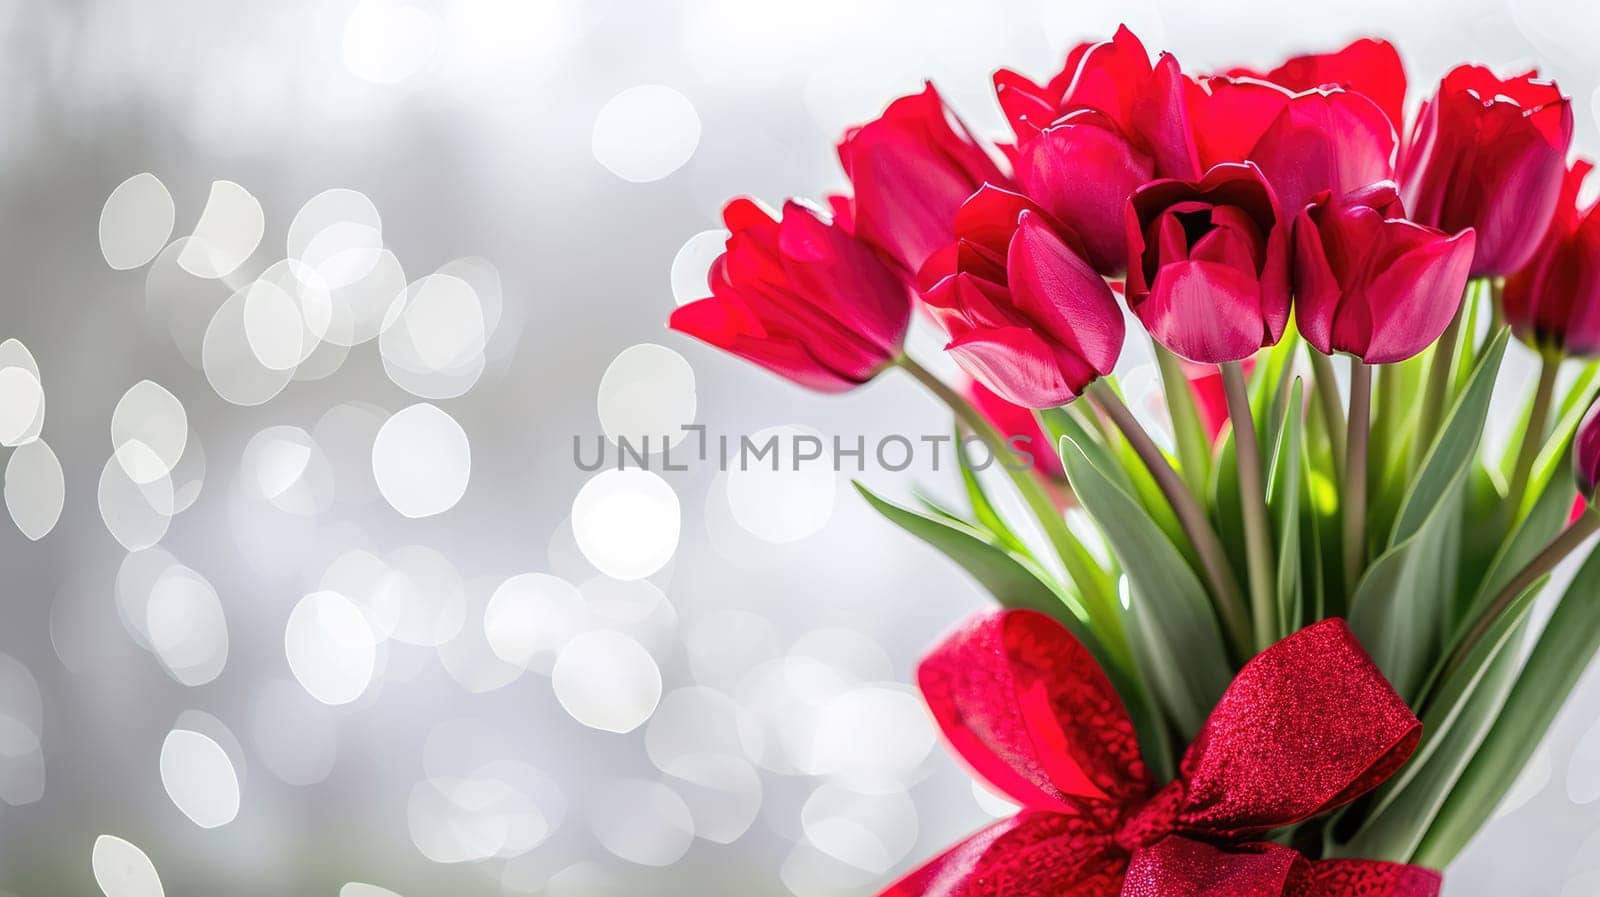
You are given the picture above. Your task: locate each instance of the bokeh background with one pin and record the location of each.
(327, 612)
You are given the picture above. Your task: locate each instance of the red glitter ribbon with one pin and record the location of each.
(1310, 724)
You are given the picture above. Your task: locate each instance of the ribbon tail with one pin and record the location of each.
(1370, 878)
(1028, 855)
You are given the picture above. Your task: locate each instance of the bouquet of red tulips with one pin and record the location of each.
(1301, 659)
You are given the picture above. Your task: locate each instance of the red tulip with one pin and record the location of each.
(1305, 143)
(1324, 139)
(912, 168)
(1369, 67)
(1115, 78)
(1554, 303)
(1489, 154)
(1371, 283)
(1018, 423)
(1109, 122)
(1027, 315)
(801, 298)
(1586, 454)
(1208, 264)
(1082, 170)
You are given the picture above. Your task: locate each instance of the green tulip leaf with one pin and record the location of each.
(1402, 602)
(1562, 653)
(1283, 499)
(1176, 641)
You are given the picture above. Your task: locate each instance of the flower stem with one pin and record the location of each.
(1101, 604)
(1253, 504)
(1533, 436)
(1554, 553)
(1327, 390)
(1355, 473)
(1207, 544)
(1435, 395)
(1194, 446)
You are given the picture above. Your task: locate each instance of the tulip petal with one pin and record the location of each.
(1026, 705)
(912, 169)
(859, 294)
(1205, 312)
(1021, 366)
(1230, 115)
(711, 321)
(1409, 300)
(1586, 453)
(1367, 66)
(1063, 296)
(1325, 140)
(1317, 291)
(1082, 174)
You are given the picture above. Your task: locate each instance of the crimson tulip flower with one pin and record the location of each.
(1370, 283)
(1554, 303)
(1586, 454)
(1018, 423)
(1109, 122)
(1208, 263)
(1489, 153)
(1026, 313)
(911, 169)
(1325, 138)
(1369, 67)
(800, 297)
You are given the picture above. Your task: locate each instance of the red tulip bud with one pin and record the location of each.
(1586, 454)
(1208, 265)
(1372, 284)
(1026, 313)
(1554, 303)
(1489, 154)
(800, 297)
(911, 169)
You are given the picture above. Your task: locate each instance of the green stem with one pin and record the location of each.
(1497, 309)
(1387, 431)
(1355, 479)
(1207, 544)
(1435, 395)
(1562, 545)
(1103, 605)
(1327, 391)
(1194, 446)
(1533, 436)
(1253, 502)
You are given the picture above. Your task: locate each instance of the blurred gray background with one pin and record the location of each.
(753, 633)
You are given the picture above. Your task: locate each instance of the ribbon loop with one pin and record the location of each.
(1308, 725)
(1027, 707)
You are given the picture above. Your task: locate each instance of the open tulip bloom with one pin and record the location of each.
(1294, 655)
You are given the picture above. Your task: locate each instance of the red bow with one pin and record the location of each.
(1308, 725)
